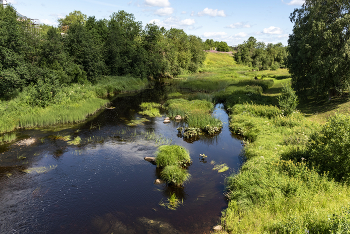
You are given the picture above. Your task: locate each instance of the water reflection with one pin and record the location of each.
(104, 185)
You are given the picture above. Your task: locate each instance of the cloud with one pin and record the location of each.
(102, 3)
(192, 13)
(212, 12)
(214, 34)
(158, 3)
(47, 22)
(241, 34)
(272, 30)
(10, 1)
(174, 22)
(239, 25)
(187, 22)
(164, 11)
(183, 12)
(296, 2)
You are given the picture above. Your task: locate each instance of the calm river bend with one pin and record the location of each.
(104, 185)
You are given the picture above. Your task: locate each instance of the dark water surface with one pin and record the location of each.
(104, 185)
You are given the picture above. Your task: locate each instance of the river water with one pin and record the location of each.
(104, 185)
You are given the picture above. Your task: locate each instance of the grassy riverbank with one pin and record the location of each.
(70, 104)
(276, 190)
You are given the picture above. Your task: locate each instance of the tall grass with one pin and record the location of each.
(70, 104)
(172, 155)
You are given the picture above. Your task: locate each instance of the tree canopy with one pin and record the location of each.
(261, 56)
(89, 49)
(319, 47)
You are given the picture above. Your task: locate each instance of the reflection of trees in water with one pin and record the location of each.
(206, 139)
(168, 190)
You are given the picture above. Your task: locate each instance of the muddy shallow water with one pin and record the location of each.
(103, 185)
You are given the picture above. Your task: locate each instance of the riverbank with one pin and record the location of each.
(276, 190)
(71, 104)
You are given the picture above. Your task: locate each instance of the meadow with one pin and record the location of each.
(281, 187)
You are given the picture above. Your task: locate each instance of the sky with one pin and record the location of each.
(232, 21)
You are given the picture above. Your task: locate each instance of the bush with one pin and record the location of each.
(329, 149)
(175, 175)
(288, 100)
(172, 155)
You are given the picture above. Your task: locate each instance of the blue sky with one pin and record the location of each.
(232, 21)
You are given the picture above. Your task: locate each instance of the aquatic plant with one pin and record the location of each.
(173, 174)
(221, 168)
(172, 155)
(173, 202)
(150, 108)
(76, 141)
(137, 121)
(39, 170)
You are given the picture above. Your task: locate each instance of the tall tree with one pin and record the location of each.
(319, 47)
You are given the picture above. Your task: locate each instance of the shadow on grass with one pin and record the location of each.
(317, 105)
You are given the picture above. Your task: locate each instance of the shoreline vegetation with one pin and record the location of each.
(71, 104)
(291, 181)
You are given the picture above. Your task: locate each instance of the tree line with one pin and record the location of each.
(82, 49)
(261, 56)
(210, 44)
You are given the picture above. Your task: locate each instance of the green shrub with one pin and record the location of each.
(288, 100)
(329, 149)
(172, 155)
(175, 175)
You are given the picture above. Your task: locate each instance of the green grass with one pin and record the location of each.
(275, 191)
(172, 155)
(70, 105)
(150, 108)
(175, 175)
(184, 107)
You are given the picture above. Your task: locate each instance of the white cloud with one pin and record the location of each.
(192, 13)
(174, 22)
(239, 25)
(272, 30)
(241, 34)
(164, 11)
(296, 2)
(158, 3)
(214, 34)
(212, 12)
(183, 12)
(187, 22)
(47, 22)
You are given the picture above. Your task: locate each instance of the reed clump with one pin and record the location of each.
(173, 155)
(175, 175)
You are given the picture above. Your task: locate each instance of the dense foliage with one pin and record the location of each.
(210, 44)
(319, 56)
(329, 149)
(84, 49)
(261, 56)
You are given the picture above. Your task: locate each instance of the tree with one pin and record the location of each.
(75, 17)
(319, 47)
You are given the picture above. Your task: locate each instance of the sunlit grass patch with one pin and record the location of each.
(150, 108)
(184, 107)
(172, 155)
(175, 175)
